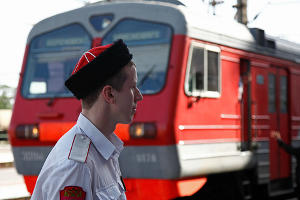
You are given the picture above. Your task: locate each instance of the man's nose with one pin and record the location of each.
(138, 96)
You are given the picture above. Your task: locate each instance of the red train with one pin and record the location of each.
(213, 90)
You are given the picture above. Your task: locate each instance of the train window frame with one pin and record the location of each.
(37, 89)
(205, 92)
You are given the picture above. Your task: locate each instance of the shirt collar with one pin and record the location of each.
(104, 146)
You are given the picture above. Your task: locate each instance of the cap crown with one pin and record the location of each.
(96, 66)
(89, 56)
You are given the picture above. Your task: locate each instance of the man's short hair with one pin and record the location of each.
(116, 82)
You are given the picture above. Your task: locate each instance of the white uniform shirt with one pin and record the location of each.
(91, 165)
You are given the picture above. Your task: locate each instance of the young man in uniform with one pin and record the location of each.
(84, 162)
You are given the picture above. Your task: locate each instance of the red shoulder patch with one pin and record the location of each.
(72, 193)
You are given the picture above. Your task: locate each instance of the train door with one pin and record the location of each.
(280, 163)
(263, 109)
(259, 119)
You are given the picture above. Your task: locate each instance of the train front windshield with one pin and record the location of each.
(53, 55)
(150, 45)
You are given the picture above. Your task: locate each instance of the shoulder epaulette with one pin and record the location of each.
(80, 148)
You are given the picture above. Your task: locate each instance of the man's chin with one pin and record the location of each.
(128, 121)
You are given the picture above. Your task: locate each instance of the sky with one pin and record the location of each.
(17, 17)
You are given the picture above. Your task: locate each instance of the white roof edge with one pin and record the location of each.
(203, 26)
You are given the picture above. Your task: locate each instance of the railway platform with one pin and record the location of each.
(12, 185)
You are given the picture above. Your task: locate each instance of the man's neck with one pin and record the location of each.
(101, 120)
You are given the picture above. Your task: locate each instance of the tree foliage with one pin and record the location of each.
(5, 101)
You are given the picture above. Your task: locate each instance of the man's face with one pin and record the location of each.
(127, 98)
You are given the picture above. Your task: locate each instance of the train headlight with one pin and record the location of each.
(27, 132)
(142, 130)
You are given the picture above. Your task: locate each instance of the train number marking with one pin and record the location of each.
(146, 158)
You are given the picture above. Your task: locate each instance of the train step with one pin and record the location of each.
(247, 189)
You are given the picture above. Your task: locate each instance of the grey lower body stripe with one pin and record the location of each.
(180, 161)
(161, 162)
(30, 160)
(150, 162)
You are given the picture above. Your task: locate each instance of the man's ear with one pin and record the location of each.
(108, 94)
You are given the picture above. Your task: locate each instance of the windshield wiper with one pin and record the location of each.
(145, 77)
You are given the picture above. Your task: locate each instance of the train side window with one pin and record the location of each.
(283, 94)
(213, 71)
(203, 71)
(260, 79)
(196, 74)
(271, 93)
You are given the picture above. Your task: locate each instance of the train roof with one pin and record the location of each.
(184, 19)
